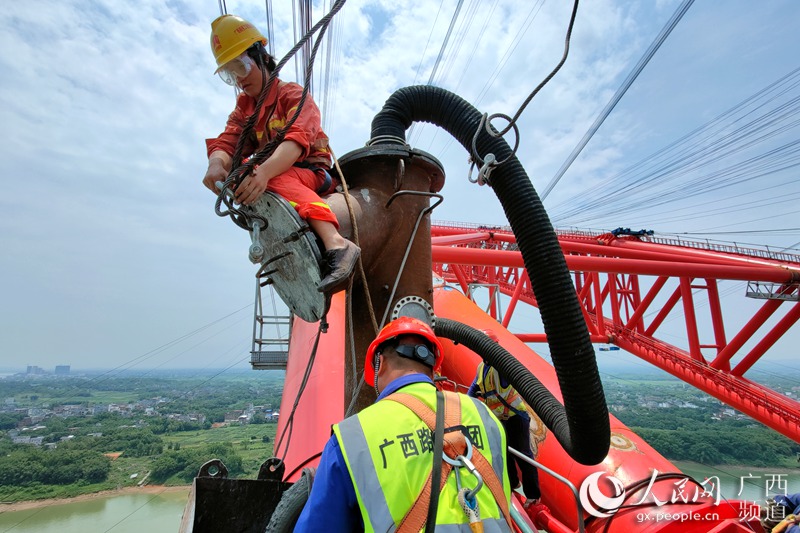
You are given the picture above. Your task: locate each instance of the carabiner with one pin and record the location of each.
(474, 471)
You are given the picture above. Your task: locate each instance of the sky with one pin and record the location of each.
(112, 256)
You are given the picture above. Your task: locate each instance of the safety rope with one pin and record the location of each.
(357, 383)
(486, 120)
(354, 224)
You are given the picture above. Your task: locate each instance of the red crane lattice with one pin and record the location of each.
(627, 287)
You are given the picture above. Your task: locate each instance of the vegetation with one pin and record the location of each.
(27, 466)
(182, 464)
(164, 434)
(170, 428)
(685, 424)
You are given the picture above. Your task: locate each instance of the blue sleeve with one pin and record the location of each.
(473, 389)
(332, 506)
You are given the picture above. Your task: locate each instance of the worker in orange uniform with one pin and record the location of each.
(376, 472)
(298, 168)
(509, 407)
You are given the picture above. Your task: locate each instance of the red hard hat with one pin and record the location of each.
(405, 325)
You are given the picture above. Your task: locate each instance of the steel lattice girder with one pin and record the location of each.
(607, 274)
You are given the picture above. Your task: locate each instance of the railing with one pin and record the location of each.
(705, 244)
(731, 248)
(269, 360)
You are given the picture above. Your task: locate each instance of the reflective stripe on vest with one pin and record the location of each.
(387, 450)
(356, 451)
(498, 398)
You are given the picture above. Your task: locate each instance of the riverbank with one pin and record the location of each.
(147, 489)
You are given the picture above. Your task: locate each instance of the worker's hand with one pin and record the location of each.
(253, 186)
(216, 172)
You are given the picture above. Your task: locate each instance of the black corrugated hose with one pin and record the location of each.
(582, 426)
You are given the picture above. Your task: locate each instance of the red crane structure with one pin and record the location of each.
(628, 285)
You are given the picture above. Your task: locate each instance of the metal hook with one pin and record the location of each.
(471, 168)
(490, 162)
(463, 461)
(474, 471)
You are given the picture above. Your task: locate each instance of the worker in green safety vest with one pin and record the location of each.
(512, 411)
(379, 470)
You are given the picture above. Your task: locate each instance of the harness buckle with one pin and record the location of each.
(463, 461)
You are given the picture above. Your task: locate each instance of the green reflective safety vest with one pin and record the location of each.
(503, 401)
(388, 452)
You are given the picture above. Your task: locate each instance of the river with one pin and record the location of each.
(160, 512)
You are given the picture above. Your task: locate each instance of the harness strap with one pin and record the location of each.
(436, 469)
(415, 518)
(454, 445)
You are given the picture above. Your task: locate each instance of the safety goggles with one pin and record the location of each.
(236, 69)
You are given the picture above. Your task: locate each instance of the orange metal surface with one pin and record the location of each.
(630, 458)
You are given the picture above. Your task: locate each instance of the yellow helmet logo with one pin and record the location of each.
(232, 35)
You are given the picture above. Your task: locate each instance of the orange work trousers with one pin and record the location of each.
(298, 186)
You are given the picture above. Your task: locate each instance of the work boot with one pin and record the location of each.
(339, 264)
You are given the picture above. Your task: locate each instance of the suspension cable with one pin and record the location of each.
(645, 59)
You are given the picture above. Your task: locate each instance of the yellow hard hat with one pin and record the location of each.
(232, 35)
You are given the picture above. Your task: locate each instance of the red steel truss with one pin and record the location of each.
(627, 286)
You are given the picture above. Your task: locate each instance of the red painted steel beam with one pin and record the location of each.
(522, 280)
(464, 238)
(632, 248)
(723, 359)
(445, 254)
(542, 338)
(626, 252)
(707, 256)
(691, 319)
(664, 261)
(635, 321)
(769, 339)
(716, 314)
(768, 407)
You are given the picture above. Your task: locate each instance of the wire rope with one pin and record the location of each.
(428, 42)
(667, 174)
(626, 84)
(438, 60)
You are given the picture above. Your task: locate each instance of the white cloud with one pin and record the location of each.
(105, 108)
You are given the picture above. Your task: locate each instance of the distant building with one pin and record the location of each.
(35, 370)
(62, 370)
(35, 441)
(233, 416)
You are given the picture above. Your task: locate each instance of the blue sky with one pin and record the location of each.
(112, 251)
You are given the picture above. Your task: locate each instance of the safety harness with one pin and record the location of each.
(455, 453)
